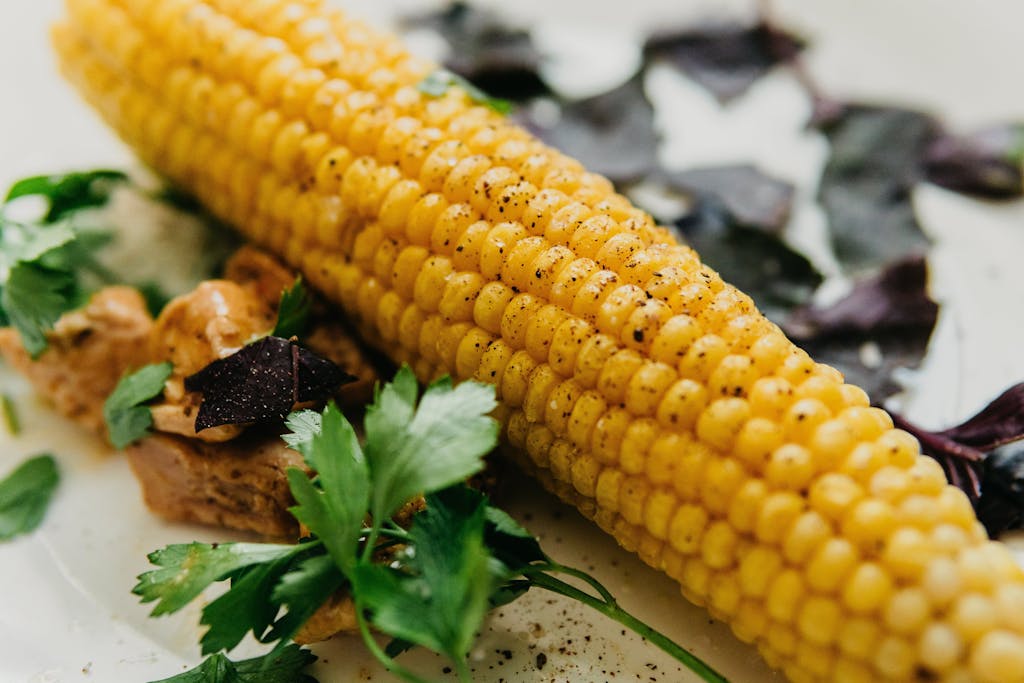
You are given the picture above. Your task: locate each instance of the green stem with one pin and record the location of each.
(389, 663)
(582, 576)
(465, 675)
(616, 613)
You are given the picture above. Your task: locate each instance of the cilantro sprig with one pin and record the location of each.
(428, 583)
(293, 311)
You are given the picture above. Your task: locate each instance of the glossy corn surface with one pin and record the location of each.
(633, 382)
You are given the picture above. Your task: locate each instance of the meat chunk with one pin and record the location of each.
(213, 321)
(89, 349)
(239, 485)
(260, 273)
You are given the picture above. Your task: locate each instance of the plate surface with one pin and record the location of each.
(67, 612)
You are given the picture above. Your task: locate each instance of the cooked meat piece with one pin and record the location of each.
(266, 277)
(260, 273)
(239, 485)
(213, 321)
(337, 615)
(89, 349)
(333, 341)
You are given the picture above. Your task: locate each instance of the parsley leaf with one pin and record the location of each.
(280, 666)
(187, 569)
(303, 426)
(439, 599)
(438, 82)
(333, 508)
(127, 419)
(442, 444)
(245, 607)
(70, 192)
(34, 298)
(25, 495)
(293, 311)
(303, 590)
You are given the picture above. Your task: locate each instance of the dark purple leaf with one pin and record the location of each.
(757, 262)
(893, 300)
(262, 382)
(611, 134)
(883, 324)
(495, 56)
(1001, 505)
(752, 198)
(726, 59)
(875, 161)
(1000, 422)
(988, 163)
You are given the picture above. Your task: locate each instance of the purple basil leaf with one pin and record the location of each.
(883, 324)
(726, 59)
(500, 59)
(757, 262)
(1001, 505)
(752, 198)
(988, 163)
(875, 161)
(998, 423)
(612, 133)
(262, 382)
(895, 299)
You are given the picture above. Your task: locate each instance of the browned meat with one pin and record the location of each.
(260, 273)
(89, 349)
(337, 615)
(239, 485)
(213, 321)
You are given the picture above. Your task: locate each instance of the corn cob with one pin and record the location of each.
(633, 382)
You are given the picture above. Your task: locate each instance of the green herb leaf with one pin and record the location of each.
(511, 543)
(25, 495)
(280, 666)
(442, 444)
(438, 82)
(245, 607)
(34, 298)
(302, 591)
(303, 426)
(335, 508)
(70, 192)
(440, 598)
(127, 419)
(187, 569)
(293, 311)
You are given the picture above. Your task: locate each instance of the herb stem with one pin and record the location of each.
(613, 611)
(585, 577)
(465, 675)
(10, 415)
(388, 662)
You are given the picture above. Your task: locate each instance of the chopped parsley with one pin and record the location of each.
(25, 495)
(128, 418)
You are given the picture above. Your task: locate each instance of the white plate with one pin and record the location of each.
(67, 612)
